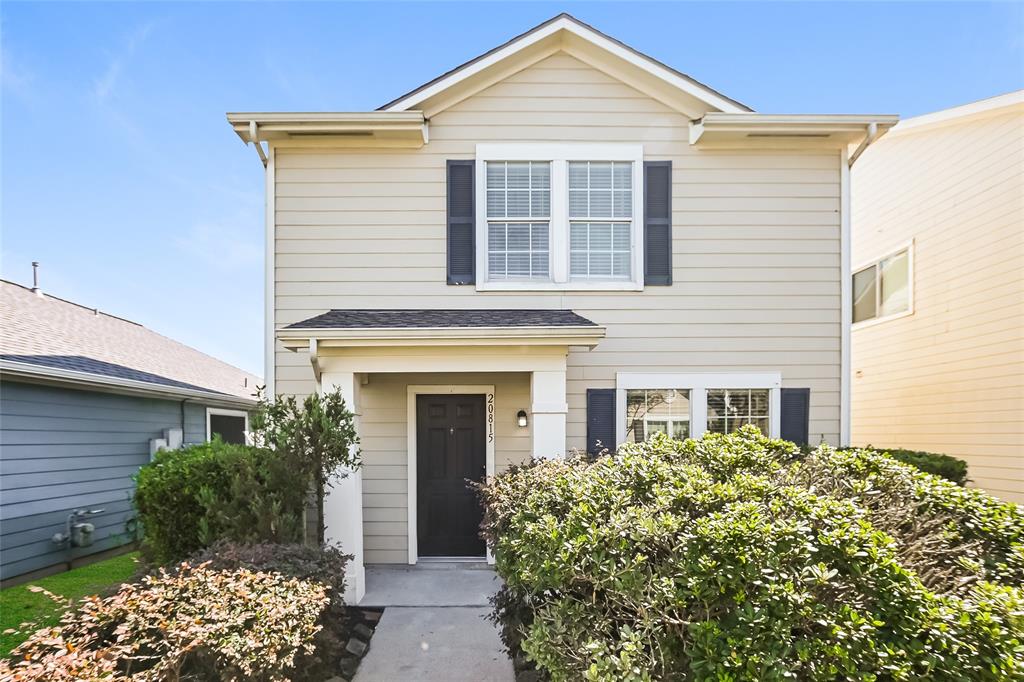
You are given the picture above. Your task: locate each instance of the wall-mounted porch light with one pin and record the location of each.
(521, 417)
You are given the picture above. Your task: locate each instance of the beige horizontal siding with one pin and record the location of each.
(950, 377)
(755, 253)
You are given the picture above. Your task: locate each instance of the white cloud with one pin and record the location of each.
(227, 244)
(105, 84)
(15, 77)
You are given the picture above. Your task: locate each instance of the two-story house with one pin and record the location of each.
(561, 244)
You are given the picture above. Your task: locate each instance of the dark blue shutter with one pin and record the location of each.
(461, 222)
(658, 223)
(600, 420)
(796, 415)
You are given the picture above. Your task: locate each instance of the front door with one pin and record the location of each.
(450, 448)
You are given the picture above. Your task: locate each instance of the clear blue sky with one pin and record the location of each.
(120, 174)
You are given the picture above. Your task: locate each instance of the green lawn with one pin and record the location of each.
(19, 604)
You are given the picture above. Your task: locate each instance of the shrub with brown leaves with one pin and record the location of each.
(191, 623)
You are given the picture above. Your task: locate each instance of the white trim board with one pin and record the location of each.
(411, 474)
(227, 413)
(698, 385)
(572, 26)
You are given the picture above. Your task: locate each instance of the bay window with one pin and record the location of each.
(559, 216)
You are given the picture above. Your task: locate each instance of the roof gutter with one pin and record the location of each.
(31, 372)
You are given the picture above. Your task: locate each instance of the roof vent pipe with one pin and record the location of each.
(35, 279)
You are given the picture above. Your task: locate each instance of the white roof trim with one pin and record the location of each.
(990, 106)
(549, 335)
(788, 125)
(23, 370)
(570, 25)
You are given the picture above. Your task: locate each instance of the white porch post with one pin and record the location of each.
(343, 504)
(548, 407)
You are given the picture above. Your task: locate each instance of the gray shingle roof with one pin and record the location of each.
(46, 331)
(395, 319)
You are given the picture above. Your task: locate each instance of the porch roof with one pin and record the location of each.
(392, 319)
(444, 327)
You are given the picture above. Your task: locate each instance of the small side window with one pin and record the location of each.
(882, 289)
(230, 427)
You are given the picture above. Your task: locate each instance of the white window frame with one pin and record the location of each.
(227, 413)
(698, 385)
(909, 248)
(559, 155)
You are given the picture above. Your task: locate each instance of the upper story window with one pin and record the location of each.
(600, 219)
(559, 216)
(518, 220)
(883, 289)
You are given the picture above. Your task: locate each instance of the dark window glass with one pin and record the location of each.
(230, 428)
(865, 295)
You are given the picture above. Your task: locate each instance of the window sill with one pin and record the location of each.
(560, 286)
(879, 320)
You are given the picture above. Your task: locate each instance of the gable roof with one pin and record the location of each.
(566, 24)
(48, 337)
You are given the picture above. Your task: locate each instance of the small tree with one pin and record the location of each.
(317, 436)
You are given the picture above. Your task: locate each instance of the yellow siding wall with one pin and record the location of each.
(950, 377)
(756, 251)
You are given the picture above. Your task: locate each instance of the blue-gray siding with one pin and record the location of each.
(63, 449)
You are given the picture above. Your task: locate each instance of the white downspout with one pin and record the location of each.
(846, 284)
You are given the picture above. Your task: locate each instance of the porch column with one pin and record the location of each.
(343, 504)
(548, 408)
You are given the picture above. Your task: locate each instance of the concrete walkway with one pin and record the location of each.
(434, 625)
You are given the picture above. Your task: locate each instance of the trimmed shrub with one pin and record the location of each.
(192, 623)
(731, 557)
(949, 468)
(322, 566)
(189, 498)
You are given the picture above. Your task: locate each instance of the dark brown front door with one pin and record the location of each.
(450, 448)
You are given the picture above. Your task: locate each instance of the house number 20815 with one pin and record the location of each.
(490, 417)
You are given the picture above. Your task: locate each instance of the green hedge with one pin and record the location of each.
(949, 468)
(188, 499)
(733, 558)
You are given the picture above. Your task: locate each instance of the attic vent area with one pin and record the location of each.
(343, 133)
(788, 135)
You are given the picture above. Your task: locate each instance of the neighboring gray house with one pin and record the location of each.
(85, 397)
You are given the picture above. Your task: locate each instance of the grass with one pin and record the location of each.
(20, 604)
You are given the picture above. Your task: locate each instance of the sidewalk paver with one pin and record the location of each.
(434, 625)
(443, 643)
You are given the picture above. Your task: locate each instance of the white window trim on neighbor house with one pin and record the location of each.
(698, 385)
(909, 248)
(411, 424)
(226, 413)
(559, 155)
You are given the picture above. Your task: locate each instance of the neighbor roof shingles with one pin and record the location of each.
(50, 332)
(396, 319)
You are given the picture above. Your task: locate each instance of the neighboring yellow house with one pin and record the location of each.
(559, 243)
(938, 285)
